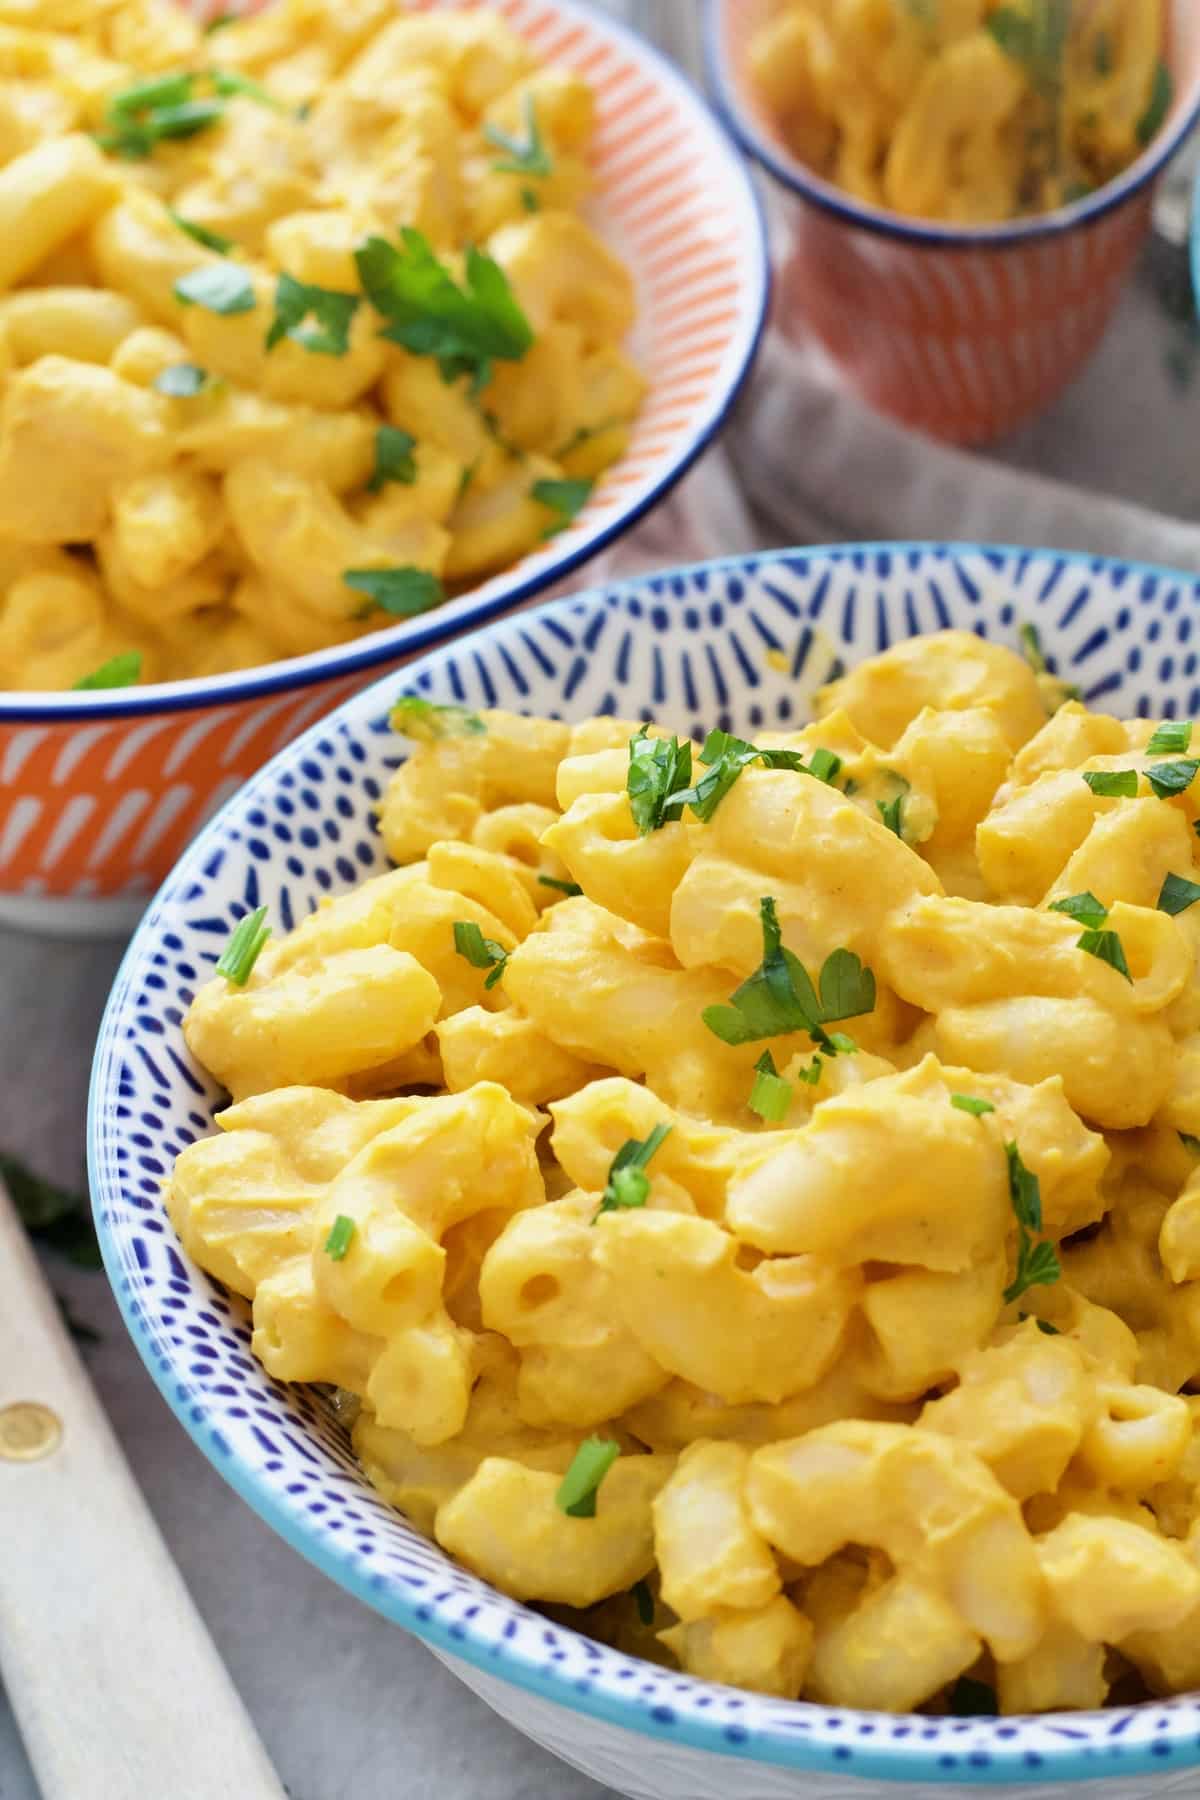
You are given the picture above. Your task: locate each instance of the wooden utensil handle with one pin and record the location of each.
(118, 1688)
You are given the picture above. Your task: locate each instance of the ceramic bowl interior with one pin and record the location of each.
(742, 645)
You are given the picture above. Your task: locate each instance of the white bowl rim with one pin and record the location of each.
(992, 1754)
(792, 174)
(461, 613)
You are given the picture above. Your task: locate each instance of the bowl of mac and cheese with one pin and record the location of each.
(322, 334)
(682, 1188)
(965, 183)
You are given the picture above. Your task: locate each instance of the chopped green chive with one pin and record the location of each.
(628, 1185)
(394, 460)
(118, 671)
(331, 315)
(810, 1074)
(570, 888)
(244, 947)
(890, 813)
(480, 952)
(403, 591)
(431, 719)
(973, 1104)
(576, 1495)
(341, 1235)
(771, 1096)
(1176, 895)
(212, 240)
(1112, 784)
(1171, 735)
(823, 764)
(527, 158)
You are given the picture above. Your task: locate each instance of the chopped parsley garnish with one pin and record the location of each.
(244, 947)
(570, 888)
(1043, 1325)
(1176, 895)
(566, 498)
(1162, 92)
(341, 1236)
(403, 591)
(971, 1699)
(973, 1104)
(771, 1096)
(657, 768)
(643, 1599)
(1171, 735)
(1112, 784)
(331, 314)
(169, 106)
(628, 1184)
(1037, 1259)
(394, 460)
(466, 328)
(1169, 778)
(725, 757)
(1107, 947)
(576, 1495)
(1031, 644)
(810, 1074)
(119, 671)
(780, 998)
(59, 1217)
(432, 719)
(530, 201)
(823, 765)
(527, 158)
(181, 380)
(890, 813)
(222, 287)
(212, 240)
(1084, 908)
(1036, 39)
(480, 952)
(229, 82)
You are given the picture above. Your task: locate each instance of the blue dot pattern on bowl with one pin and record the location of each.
(742, 644)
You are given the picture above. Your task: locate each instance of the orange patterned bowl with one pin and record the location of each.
(962, 333)
(100, 791)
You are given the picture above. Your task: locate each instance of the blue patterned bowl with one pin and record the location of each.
(691, 647)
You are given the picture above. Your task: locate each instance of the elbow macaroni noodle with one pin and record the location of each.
(202, 429)
(887, 1335)
(968, 112)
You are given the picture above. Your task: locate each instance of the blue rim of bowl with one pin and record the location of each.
(792, 174)
(382, 646)
(1007, 1763)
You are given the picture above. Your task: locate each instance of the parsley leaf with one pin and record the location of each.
(1024, 1190)
(780, 998)
(394, 459)
(771, 1096)
(657, 767)
(1172, 734)
(973, 1104)
(1037, 1266)
(1036, 39)
(465, 328)
(628, 1185)
(566, 498)
(212, 240)
(229, 82)
(244, 947)
(576, 1494)
(1037, 1262)
(119, 671)
(1112, 784)
(528, 158)
(428, 720)
(1176, 895)
(403, 591)
(341, 1236)
(222, 287)
(1168, 778)
(1107, 946)
(480, 952)
(1162, 93)
(725, 757)
(570, 888)
(332, 314)
(181, 380)
(57, 1216)
(1085, 908)
(890, 813)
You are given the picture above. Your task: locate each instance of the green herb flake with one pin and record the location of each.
(244, 947)
(119, 671)
(1107, 947)
(480, 952)
(780, 998)
(1171, 735)
(404, 591)
(341, 1236)
(823, 765)
(890, 811)
(530, 201)
(528, 157)
(810, 1074)
(394, 460)
(1024, 1190)
(570, 888)
(181, 380)
(200, 234)
(1162, 93)
(971, 1699)
(1112, 784)
(429, 720)
(1030, 639)
(466, 328)
(771, 1096)
(1044, 1326)
(658, 767)
(231, 82)
(576, 1494)
(316, 318)
(222, 287)
(628, 1185)
(1170, 778)
(1084, 908)
(1037, 1261)
(973, 1104)
(1176, 895)
(56, 1216)
(564, 498)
